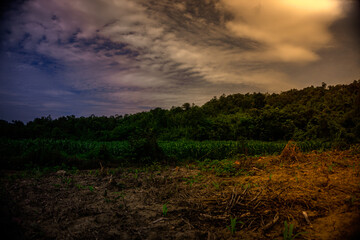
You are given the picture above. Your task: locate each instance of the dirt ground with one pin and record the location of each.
(318, 193)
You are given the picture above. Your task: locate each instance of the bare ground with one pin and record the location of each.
(129, 203)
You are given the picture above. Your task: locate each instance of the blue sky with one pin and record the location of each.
(107, 57)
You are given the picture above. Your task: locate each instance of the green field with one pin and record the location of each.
(19, 153)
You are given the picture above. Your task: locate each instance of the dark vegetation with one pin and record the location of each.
(316, 117)
(325, 113)
(226, 170)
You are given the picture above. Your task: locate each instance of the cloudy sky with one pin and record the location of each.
(107, 57)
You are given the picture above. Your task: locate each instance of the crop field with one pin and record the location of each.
(290, 195)
(87, 154)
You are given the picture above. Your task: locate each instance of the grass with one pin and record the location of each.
(66, 180)
(114, 198)
(119, 195)
(330, 167)
(164, 209)
(247, 186)
(217, 185)
(193, 179)
(232, 226)
(288, 231)
(91, 188)
(221, 168)
(86, 154)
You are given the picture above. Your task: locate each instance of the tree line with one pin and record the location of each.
(329, 113)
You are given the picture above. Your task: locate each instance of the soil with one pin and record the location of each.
(189, 202)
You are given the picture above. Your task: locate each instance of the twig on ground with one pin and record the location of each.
(271, 223)
(158, 220)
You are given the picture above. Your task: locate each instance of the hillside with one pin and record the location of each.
(325, 113)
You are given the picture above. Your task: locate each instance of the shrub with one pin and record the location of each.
(145, 149)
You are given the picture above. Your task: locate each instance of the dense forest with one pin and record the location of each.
(313, 113)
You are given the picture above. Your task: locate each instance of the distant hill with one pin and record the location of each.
(329, 113)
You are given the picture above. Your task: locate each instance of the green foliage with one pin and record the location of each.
(100, 153)
(145, 149)
(318, 118)
(327, 113)
(219, 149)
(27, 153)
(42, 155)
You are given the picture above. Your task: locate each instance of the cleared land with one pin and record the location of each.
(193, 201)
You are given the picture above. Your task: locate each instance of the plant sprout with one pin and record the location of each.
(164, 209)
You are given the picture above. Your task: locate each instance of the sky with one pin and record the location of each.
(108, 57)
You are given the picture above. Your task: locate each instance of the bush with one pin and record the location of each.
(99, 155)
(42, 156)
(145, 150)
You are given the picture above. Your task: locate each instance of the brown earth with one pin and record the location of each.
(128, 203)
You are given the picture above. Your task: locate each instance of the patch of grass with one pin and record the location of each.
(288, 231)
(232, 226)
(74, 171)
(330, 167)
(217, 185)
(136, 175)
(119, 195)
(247, 186)
(67, 181)
(226, 167)
(164, 209)
(79, 186)
(193, 179)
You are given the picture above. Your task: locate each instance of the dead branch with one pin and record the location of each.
(271, 223)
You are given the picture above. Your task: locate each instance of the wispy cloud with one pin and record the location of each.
(121, 55)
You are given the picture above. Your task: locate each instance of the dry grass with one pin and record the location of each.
(290, 154)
